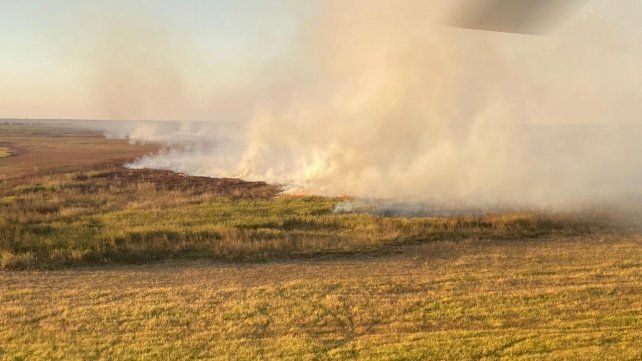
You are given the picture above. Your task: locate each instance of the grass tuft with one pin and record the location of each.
(16, 261)
(4, 152)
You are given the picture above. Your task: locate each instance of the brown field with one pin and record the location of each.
(34, 149)
(102, 262)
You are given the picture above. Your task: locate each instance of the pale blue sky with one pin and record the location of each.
(236, 28)
(44, 45)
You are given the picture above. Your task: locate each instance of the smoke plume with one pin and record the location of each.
(381, 100)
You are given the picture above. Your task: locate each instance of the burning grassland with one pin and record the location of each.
(110, 214)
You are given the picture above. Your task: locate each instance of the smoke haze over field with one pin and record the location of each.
(392, 104)
(385, 100)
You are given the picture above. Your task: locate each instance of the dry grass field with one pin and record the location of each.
(102, 262)
(32, 149)
(576, 298)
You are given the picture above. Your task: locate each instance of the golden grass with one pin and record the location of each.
(4, 152)
(570, 298)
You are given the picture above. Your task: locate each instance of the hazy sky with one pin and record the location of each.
(214, 59)
(55, 56)
(337, 95)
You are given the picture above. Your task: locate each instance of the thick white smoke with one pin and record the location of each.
(384, 101)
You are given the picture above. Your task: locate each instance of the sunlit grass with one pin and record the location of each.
(4, 152)
(560, 298)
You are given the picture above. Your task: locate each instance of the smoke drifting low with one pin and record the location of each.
(382, 101)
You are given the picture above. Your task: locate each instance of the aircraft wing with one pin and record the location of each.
(514, 16)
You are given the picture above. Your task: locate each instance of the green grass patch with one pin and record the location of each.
(123, 216)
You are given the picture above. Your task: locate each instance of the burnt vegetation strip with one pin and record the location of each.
(101, 176)
(105, 213)
(168, 180)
